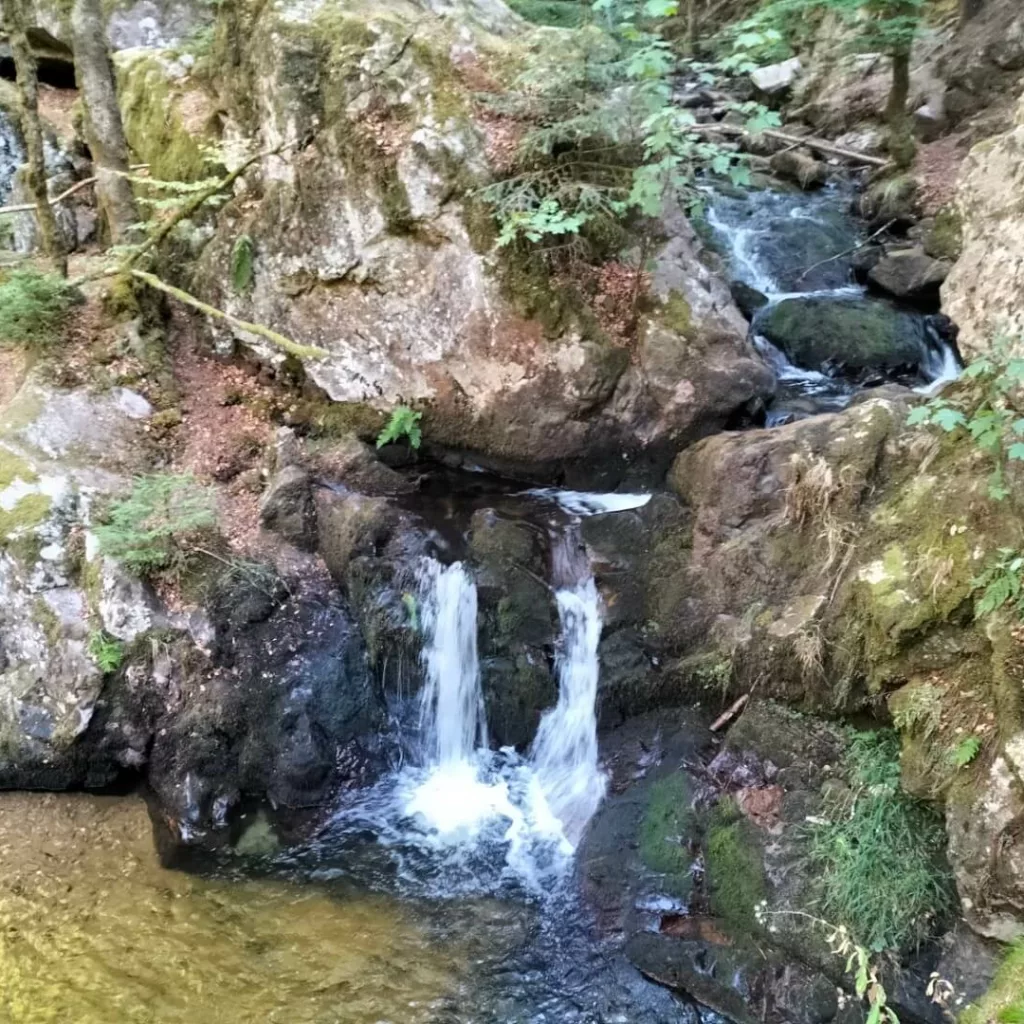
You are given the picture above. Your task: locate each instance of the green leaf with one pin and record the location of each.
(948, 418)
(243, 254)
(1016, 451)
(918, 415)
(966, 751)
(403, 423)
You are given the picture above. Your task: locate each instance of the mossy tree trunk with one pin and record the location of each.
(901, 133)
(51, 240)
(103, 126)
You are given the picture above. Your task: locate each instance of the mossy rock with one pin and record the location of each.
(665, 832)
(735, 864)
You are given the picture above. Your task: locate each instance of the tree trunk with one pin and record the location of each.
(51, 240)
(901, 130)
(103, 126)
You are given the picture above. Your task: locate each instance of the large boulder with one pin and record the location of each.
(909, 274)
(369, 245)
(982, 293)
(855, 334)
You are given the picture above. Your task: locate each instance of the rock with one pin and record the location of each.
(776, 78)
(982, 292)
(287, 507)
(909, 274)
(1007, 50)
(374, 253)
(351, 525)
(891, 199)
(519, 625)
(355, 465)
(796, 166)
(854, 335)
(930, 121)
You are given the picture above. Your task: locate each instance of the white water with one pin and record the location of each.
(590, 503)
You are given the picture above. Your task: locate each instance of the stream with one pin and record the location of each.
(447, 892)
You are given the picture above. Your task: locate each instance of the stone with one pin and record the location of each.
(909, 274)
(1007, 51)
(287, 507)
(796, 166)
(748, 299)
(930, 121)
(776, 78)
(855, 334)
(982, 292)
(350, 525)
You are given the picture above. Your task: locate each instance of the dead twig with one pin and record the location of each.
(848, 252)
(730, 713)
(810, 141)
(66, 194)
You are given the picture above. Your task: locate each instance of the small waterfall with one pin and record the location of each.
(452, 720)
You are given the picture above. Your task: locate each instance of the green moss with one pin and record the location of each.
(14, 468)
(677, 314)
(665, 831)
(120, 300)
(155, 131)
(47, 620)
(735, 866)
(323, 419)
(1004, 1001)
(26, 514)
(556, 13)
(945, 240)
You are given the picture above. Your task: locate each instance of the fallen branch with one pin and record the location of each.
(730, 713)
(849, 252)
(796, 140)
(66, 194)
(301, 351)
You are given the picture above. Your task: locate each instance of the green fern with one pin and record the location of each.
(403, 423)
(147, 529)
(106, 651)
(965, 751)
(243, 255)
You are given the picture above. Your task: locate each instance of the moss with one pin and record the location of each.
(48, 621)
(12, 468)
(677, 314)
(1004, 1001)
(735, 866)
(664, 832)
(26, 514)
(155, 130)
(120, 300)
(323, 419)
(945, 239)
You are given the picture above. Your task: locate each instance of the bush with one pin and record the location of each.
(149, 530)
(880, 853)
(33, 308)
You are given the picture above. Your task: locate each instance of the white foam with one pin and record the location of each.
(590, 503)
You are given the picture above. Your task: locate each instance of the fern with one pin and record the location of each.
(965, 751)
(147, 529)
(243, 254)
(106, 651)
(403, 423)
(33, 308)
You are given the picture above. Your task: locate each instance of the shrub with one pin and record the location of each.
(147, 530)
(33, 308)
(880, 853)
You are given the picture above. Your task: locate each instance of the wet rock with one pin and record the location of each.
(519, 625)
(354, 464)
(909, 274)
(776, 78)
(350, 525)
(287, 507)
(853, 335)
(796, 166)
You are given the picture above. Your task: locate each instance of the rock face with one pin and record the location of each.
(982, 292)
(262, 693)
(851, 334)
(368, 246)
(909, 274)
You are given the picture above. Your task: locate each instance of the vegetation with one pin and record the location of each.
(243, 254)
(965, 751)
(556, 13)
(106, 651)
(34, 308)
(664, 832)
(879, 853)
(1004, 1001)
(604, 141)
(403, 423)
(150, 529)
(987, 410)
(735, 866)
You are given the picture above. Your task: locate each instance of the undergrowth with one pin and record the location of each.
(34, 308)
(879, 852)
(149, 530)
(106, 651)
(1004, 1001)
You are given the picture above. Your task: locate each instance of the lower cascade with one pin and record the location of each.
(462, 791)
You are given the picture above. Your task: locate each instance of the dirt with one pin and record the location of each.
(938, 169)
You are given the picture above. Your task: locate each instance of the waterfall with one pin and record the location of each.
(452, 719)
(565, 750)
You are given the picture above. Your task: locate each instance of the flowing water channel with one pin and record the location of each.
(445, 894)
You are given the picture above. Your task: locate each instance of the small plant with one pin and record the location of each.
(986, 411)
(106, 651)
(920, 711)
(1000, 583)
(148, 530)
(403, 423)
(412, 610)
(33, 309)
(965, 751)
(879, 853)
(243, 254)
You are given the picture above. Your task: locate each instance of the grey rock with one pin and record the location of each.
(776, 78)
(909, 274)
(287, 507)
